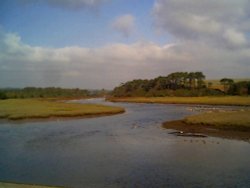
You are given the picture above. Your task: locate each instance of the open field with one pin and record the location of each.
(15, 109)
(14, 185)
(223, 100)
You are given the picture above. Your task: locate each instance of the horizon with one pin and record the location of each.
(99, 44)
(98, 89)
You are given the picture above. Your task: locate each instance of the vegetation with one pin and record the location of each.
(209, 100)
(50, 92)
(230, 86)
(33, 108)
(235, 120)
(3, 95)
(227, 83)
(181, 84)
(33, 92)
(240, 88)
(14, 185)
(175, 84)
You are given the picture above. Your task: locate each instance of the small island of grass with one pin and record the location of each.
(16, 109)
(231, 124)
(232, 120)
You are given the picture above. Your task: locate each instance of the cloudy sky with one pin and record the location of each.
(101, 43)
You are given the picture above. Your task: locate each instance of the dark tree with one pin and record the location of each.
(227, 83)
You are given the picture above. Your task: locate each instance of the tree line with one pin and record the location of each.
(235, 88)
(177, 84)
(174, 84)
(49, 92)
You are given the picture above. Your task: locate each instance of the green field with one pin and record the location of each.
(234, 120)
(222, 100)
(15, 109)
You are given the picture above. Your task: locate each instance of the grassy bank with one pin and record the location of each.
(233, 125)
(15, 109)
(14, 185)
(224, 100)
(236, 120)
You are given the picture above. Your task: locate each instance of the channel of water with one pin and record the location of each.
(125, 150)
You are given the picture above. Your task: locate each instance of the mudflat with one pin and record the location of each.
(208, 130)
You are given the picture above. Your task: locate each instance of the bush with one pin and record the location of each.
(3, 95)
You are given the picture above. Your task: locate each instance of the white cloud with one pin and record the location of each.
(218, 23)
(105, 67)
(124, 24)
(235, 38)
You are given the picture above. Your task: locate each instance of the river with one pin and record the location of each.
(124, 150)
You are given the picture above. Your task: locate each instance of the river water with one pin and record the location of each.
(125, 150)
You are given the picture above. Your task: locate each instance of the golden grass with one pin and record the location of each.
(34, 108)
(234, 120)
(222, 100)
(14, 185)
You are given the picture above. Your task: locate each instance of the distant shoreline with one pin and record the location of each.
(222, 100)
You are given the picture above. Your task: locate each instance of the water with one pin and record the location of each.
(125, 150)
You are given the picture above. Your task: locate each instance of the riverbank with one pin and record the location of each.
(234, 125)
(222, 100)
(15, 185)
(18, 109)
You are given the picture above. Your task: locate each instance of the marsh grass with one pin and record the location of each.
(223, 100)
(233, 120)
(15, 109)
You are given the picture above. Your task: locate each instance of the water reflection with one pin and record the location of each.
(125, 150)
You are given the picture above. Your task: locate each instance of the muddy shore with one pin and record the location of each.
(180, 125)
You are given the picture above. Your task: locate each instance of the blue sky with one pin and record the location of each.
(101, 43)
(49, 26)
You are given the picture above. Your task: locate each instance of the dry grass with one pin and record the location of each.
(223, 100)
(34, 108)
(234, 120)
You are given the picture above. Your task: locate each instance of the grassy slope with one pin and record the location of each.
(227, 100)
(35, 108)
(236, 120)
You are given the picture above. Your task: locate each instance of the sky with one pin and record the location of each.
(95, 44)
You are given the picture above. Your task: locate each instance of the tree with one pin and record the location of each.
(199, 76)
(227, 83)
(191, 79)
(174, 84)
(240, 88)
(3, 95)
